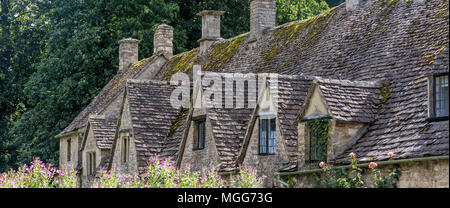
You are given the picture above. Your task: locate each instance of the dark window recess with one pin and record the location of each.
(318, 134)
(441, 96)
(267, 136)
(201, 135)
(125, 149)
(69, 150)
(91, 163)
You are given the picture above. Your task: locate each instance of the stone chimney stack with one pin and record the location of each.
(262, 16)
(210, 28)
(351, 5)
(128, 53)
(163, 40)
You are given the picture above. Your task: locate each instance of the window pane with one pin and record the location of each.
(262, 136)
(201, 135)
(272, 136)
(442, 96)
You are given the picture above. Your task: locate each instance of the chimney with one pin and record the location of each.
(262, 16)
(128, 53)
(163, 40)
(210, 28)
(351, 5)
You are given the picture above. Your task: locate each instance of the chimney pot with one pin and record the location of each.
(163, 40)
(128, 53)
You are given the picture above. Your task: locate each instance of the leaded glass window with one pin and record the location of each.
(267, 136)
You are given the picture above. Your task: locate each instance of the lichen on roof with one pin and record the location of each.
(182, 63)
(130, 71)
(222, 52)
(313, 26)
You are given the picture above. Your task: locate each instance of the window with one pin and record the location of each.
(69, 149)
(318, 139)
(91, 163)
(440, 97)
(200, 141)
(125, 149)
(267, 136)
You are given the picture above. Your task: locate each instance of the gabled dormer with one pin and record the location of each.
(335, 114)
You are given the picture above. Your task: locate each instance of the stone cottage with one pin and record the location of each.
(96, 147)
(375, 72)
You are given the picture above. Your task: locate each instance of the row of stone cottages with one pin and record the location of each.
(376, 70)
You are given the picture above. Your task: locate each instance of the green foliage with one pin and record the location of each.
(162, 173)
(353, 178)
(291, 10)
(319, 128)
(39, 175)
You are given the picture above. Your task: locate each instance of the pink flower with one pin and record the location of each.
(322, 164)
(391, 154)
(372, 165)
(352, 155)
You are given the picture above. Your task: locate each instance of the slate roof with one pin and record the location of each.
(397, 42)
(104, 131)
(152, 119)
(229, 126)
(111, 91)
(351, 101)
(292, 92)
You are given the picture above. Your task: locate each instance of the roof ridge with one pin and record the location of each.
(349, 83)
(147, 81)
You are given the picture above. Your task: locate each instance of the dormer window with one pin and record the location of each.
(439, 107)
(267, 136)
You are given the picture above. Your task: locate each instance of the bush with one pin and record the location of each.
(340, 178)
(162, 173)
(39, 175)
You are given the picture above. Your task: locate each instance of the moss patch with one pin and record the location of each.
(224, 51)
(178, 121)
(384, 92)
(313, 26)
(182, 63)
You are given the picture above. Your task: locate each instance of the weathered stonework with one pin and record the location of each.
(128, 53)
(130, 167)
(163, 40)
(75, 141)
(210, 29)
(351, 4)
(90, 147)
(423, 174)
(262, 16)
(204, 158)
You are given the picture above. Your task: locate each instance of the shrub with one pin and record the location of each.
(340, 178)
(39, 175)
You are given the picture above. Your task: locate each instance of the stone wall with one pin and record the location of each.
(90, 147)
(205, 158)
(423, 174)
(130, 167)
(265, 164)
(75, 146)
